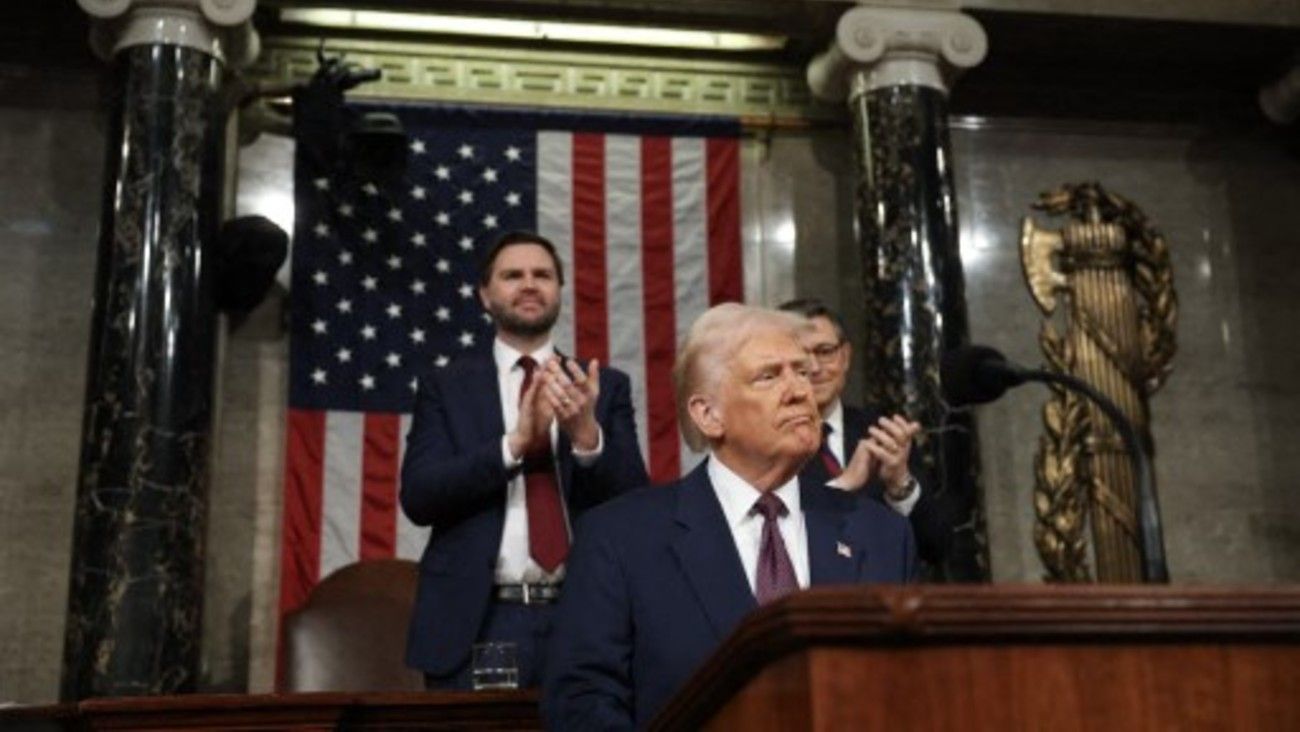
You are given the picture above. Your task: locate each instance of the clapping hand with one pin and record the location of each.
(885, 451)
(571, 394)
(534, 424)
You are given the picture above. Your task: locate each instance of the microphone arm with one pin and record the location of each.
(1154, 567)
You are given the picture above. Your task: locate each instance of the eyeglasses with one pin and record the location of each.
(826, 352)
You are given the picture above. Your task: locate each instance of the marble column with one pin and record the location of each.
(893, 67)
(136, 587)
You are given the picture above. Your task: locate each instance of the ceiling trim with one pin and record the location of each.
(495, 75)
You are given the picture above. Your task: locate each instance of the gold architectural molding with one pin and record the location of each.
(496, 75)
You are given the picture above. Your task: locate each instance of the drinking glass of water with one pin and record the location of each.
(495, 666)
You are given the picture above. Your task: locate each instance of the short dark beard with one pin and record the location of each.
(526, 328)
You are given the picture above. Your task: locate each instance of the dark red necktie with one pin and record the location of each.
(775, 574)
(828, 457)
(548, 537)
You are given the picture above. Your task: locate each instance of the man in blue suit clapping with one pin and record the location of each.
(660, 576)
(506, 448)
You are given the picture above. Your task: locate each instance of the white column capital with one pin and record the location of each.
(876, 47)
(220, 28)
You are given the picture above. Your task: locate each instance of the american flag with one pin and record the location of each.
(645, 212)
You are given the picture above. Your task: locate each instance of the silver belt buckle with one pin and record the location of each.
(527, 595)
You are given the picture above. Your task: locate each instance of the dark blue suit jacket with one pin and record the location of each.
(454, 481)
(655, 583)
(931, 519)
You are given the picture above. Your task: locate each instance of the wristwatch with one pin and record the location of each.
(908, 488)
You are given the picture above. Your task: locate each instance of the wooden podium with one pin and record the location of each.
(939, 657)
(947, 657)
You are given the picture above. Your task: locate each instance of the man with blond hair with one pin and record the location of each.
(660, 576)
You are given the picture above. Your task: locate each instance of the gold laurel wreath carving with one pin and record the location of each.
(1059, 466)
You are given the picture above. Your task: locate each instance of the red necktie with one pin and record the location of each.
(828, 457)
(774, 576)
(548, 537)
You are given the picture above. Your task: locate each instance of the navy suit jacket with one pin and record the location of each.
(931, 520)
(454, 481)
(655, 583)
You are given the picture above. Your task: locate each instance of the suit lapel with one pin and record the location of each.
(832, 559)
(856, 422)
(483, 386)
(706, 553)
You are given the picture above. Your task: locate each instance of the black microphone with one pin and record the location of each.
(979, 374)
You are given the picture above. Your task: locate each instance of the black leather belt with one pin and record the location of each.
(528, 594)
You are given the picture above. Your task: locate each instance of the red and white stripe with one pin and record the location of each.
(649, 233)
(341, 478)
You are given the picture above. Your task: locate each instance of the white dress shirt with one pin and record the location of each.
(836, 442)
(514, 561)
(738, 498)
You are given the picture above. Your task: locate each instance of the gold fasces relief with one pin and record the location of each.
(1105, 277)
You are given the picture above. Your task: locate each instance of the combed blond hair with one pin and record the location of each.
(712, 342)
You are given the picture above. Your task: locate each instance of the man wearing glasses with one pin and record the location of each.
(856, 439)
